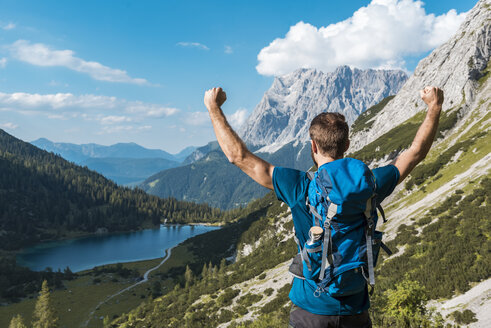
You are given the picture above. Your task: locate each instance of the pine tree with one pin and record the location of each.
(44, 315)
(188, 277)
(204, 272)
(17, 322)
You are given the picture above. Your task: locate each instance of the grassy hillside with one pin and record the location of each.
(364, 121)
(436, 256)
(399, 138)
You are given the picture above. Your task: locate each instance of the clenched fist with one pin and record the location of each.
(215, 97)
(432, 96)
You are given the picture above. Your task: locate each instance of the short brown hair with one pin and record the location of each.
(330, 132)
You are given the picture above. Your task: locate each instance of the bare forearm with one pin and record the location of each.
(423, 140)
(426, 133)
(232, 146)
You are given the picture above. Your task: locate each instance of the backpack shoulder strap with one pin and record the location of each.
(317, 217)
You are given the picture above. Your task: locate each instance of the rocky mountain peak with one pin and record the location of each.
(296, 98)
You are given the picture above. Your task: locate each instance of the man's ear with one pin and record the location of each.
(347, 146)
(314, 146)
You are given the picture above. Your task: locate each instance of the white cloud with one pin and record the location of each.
(376, 36)
(197, 118)
(26, 103)
(3, 62)
(150, 110)
(193, 45)
(57, 117)
(228, 50)
(56, 101)
(54, 83)
(41, 55)
(123, 128)
(9, 125)
(9, 26)
(238, 118)
(112, 119)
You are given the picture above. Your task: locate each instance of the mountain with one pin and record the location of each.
(183, 154)
(44, 196)
(124, 163)
(77, 153)
(295, 99)
(200, 152)
(438, 228)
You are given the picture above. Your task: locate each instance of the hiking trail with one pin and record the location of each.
(145, 279)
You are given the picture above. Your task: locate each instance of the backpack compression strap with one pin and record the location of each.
(327, 243)
(369, 238)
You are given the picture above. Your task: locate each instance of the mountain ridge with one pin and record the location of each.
(298, 97)
(78, 152)
(125, 163)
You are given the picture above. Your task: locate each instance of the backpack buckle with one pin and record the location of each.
(318, 292)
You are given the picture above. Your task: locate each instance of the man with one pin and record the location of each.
(329, 134)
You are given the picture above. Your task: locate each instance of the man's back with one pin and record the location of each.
(291, 187)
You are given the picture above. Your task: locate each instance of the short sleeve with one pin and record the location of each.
(386, 178)
(289, 185)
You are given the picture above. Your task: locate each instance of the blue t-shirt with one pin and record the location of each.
(291, 187)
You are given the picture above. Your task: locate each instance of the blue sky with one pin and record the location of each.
(136, 71)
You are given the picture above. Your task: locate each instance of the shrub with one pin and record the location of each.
(464, 318)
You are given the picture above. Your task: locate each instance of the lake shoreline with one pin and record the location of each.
(94, 250)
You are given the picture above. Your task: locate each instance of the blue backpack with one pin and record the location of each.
(342, 200)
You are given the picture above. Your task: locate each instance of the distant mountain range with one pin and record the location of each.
(124, 163)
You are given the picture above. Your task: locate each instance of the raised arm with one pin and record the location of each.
(421, 145)
(232, 146)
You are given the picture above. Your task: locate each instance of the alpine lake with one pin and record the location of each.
(87, 252)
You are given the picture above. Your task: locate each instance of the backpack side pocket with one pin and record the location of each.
(312, 260)
(348, 283)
